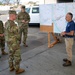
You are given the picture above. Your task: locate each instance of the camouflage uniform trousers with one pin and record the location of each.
(14, 55)
(69, 44)
(23, 30)
(2, 43)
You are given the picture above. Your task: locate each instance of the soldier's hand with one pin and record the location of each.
(63, 33)
(20, 26)
(23, 21)
(1, 35)
(27, 22)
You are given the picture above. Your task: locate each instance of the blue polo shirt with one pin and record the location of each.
(70, 27)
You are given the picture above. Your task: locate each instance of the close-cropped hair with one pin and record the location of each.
(70, 14)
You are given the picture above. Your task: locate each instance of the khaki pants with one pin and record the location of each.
(69, 44)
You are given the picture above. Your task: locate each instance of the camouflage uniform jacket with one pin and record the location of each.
(23, 16)
(11, 31)
(1, 27)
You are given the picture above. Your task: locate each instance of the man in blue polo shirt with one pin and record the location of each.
(69, 38)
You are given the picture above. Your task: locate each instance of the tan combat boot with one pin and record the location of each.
(12, 69)
(25, 45)
(20, 71)
(4, 53)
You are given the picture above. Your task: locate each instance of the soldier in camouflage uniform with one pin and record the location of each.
(23, 19)
(12, 38)
(2, 39)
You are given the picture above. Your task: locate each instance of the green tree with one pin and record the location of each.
(5, 1)
(0, 3)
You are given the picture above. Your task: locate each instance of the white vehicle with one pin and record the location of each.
(34, 15)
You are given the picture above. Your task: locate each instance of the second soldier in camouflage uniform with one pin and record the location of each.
(23, 19)
(2, 38)
(12, 38)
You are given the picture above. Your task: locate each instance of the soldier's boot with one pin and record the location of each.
(24, 42)
(20, 71)
(12, 69)
(25, 45)
(19, 42)
(4, 53)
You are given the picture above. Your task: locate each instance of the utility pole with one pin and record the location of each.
(44, 1)
(17, 1)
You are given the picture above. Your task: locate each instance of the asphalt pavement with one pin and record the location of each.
(38, 59)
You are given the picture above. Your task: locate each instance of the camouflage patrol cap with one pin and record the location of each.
(12, 12)
(23, 6)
